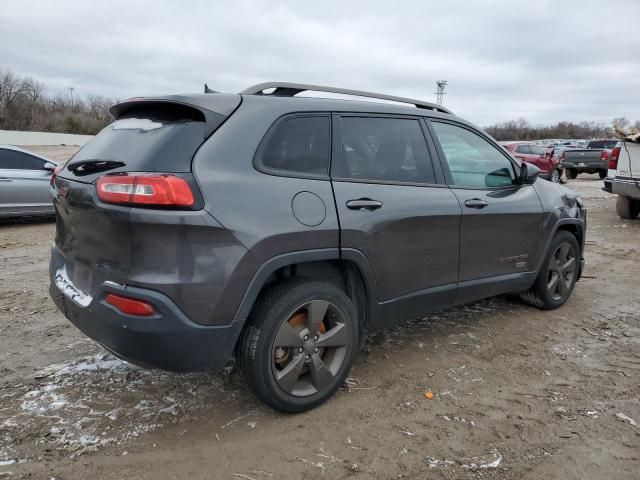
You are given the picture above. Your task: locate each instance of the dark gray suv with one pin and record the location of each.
(286, 228)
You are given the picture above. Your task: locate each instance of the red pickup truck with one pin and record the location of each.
(529, 152)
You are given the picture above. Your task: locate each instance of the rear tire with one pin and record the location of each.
(299, 344)
(572, 173)
(602, 174)
(555, 175)
(627, 207)
(558, 274)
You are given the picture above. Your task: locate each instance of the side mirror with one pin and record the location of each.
(49, 166)
(528, 173)
(548, 154)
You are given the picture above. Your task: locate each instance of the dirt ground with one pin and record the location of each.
(518, 393)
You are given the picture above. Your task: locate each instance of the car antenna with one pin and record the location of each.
(208, 90)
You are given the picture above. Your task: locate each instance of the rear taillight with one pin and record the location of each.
(604, 155)
(130, 306)
(613, 158)
(55, 173)
(145, 189)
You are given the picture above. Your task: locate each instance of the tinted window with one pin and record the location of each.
(608, 144)
(13, 160)
(536, 150)
(523, 149)
(298, 145)
(156, 141)
(473, 161)
(383, 149)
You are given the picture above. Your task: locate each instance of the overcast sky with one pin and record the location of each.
(542, 60)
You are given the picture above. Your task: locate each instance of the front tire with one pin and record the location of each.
(555, 175)
(299, 344)
(627, 207)
(558, 274)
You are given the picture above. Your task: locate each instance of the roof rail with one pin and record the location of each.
(287, 89)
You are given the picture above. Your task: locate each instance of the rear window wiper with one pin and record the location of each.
(86, 167)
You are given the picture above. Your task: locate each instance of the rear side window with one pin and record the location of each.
(12, 160)
(473, 161)
(383, 149)
(297, 145)
(523, 149)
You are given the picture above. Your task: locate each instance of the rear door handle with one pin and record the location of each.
(366, 204)
(475, 203)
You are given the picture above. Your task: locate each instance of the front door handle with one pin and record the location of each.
(475, 203)
(366, 204)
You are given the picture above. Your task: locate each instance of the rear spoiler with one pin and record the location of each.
(210, 109)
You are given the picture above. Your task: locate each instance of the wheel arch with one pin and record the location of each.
(348, 269)
(572, 225)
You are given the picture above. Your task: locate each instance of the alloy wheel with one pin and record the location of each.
(562, 270)
(555, 175)
(309, 348)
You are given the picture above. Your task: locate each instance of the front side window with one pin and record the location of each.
(523, 149)
(298, 145)
(473, 161)
(383, 150)
(13, 160)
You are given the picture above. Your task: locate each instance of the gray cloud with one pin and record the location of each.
(545, 60)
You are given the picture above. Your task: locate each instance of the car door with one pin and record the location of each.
(24, 183)
(540, 159)
(394, 208)
(524, 153)
(521, 152)
(501, 227)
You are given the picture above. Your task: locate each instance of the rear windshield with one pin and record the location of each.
(607, 144)
(147, 141)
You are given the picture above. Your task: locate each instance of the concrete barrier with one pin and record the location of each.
(11, 137)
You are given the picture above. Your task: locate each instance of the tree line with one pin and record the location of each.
(521, 129)
(25, 105)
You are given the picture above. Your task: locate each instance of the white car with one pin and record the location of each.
(623, 178)
(24, 183)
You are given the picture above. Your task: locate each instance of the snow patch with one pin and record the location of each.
(480, 463)
(143, 124)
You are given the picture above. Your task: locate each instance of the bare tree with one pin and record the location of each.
(24, 105)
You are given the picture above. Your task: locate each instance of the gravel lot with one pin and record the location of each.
(518, 393)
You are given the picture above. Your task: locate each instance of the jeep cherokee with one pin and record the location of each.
(284, 228)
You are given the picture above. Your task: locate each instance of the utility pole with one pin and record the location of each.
(71, 95)
(440, 92)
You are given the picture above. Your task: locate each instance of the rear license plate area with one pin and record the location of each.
(69, 288)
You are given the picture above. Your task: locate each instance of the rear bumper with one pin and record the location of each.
(580, 166)
(630, 188)
(167, 340)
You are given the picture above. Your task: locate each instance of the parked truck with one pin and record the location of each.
(594, 158)
(623, 177)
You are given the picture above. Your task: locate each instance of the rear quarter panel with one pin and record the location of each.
(256, 207)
